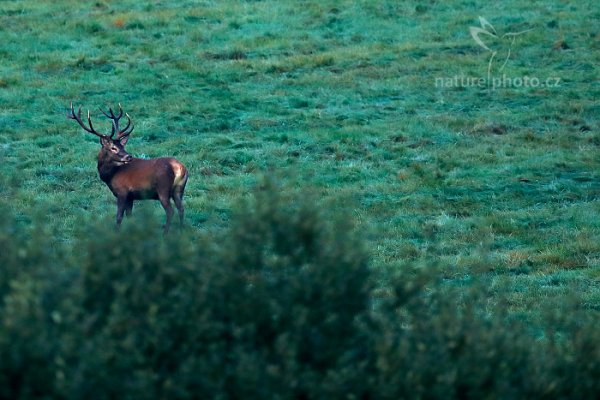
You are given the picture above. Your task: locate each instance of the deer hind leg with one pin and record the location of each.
(165, 201)
(178, 199)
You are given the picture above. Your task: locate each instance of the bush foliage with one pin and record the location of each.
(281, 305)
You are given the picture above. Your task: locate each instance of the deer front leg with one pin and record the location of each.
(128, 207)
(121, 203)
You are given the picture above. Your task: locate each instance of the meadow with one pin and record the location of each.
(336, 97)
(380, 110)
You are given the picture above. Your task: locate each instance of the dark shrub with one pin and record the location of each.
(272, 309)
(282, 305)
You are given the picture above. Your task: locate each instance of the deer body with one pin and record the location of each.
(155, 179)
(131, 178)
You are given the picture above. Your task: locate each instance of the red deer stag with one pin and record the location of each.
(132, 178)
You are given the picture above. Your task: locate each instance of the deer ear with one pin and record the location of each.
(124, 140)
(104, 141)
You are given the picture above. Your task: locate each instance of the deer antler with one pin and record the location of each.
(121, 133)
(77, 117)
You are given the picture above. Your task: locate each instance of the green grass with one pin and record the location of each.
(335, 96)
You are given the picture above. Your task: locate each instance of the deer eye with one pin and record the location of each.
(114, 149)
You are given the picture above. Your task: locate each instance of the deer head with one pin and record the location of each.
(113, 149)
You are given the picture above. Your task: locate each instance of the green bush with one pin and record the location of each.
(281, 305)
(446, 342)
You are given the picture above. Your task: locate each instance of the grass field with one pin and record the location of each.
(339, 98)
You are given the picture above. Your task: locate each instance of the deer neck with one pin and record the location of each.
(106, 167)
